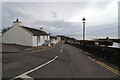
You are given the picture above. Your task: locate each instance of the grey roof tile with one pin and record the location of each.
(35, 32)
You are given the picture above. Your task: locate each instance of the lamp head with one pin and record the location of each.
(83, 19)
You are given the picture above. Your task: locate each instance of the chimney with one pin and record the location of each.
(41, 28)
(17, 22)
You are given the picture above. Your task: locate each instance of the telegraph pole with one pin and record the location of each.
(83, 32)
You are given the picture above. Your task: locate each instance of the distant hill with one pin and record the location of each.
(66, 38)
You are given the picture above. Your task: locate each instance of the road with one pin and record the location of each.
(63, 61)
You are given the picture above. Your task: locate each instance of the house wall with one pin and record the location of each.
(34, 40)
(48, 37)
(55, 41)
(43, 39)
(17, 35)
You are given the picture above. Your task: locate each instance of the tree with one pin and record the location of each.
(107, 38)
(5, 30)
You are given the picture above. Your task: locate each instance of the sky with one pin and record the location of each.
(65, 18)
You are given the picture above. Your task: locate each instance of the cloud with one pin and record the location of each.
(0, 15)
(101, 18)
(58, 0)
(54, 14)
(59, 26)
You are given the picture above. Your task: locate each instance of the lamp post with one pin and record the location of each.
(83, 32)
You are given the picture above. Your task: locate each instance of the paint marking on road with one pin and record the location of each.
(25, 74)
(35, 51)
(62, 46)
(61, 49)
(106, 66)
(91, 59)
(102, 64)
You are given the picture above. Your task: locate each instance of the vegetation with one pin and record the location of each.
(5, 29)
(116, 40)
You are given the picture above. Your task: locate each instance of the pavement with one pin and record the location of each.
(11, 48)
(62, 61)
(14, 48)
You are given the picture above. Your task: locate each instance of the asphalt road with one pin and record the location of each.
(63, 61)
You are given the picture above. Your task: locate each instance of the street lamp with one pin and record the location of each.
(83, 31)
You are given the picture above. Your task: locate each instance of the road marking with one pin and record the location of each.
(61, 49)
(62, 46)
(37, 50)
(24, 75)
(91, 59)
(100, 63)
(34, 50)
(106, 66)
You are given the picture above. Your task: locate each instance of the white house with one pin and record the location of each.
(21, 35)
(55, 40)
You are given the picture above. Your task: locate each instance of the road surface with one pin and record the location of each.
(63, 61)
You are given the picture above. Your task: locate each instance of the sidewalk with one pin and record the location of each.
(40, 48)
(13, 48)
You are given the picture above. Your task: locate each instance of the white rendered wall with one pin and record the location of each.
(17, 35)
(34, 39)
(45, 37)
(48, 37)
(42, 41)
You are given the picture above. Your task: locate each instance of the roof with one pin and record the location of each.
(35, 32)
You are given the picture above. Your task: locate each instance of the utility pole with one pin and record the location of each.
(83, 32)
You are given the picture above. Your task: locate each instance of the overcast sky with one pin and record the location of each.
(65, 18)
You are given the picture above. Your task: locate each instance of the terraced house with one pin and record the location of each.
(22, 35)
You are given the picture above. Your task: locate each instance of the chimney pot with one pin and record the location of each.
(41, 28)
(17, 20)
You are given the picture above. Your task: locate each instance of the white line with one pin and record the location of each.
(25, 74)
(61, 48)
